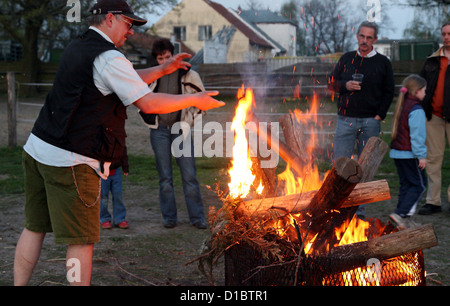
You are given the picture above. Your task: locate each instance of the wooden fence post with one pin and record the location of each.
(12, 109)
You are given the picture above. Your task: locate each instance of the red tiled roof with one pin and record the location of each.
(241, 26)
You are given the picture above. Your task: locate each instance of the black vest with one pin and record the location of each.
(76, 116)
(402, 141)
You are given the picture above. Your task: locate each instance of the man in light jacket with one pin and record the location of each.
(164, 130)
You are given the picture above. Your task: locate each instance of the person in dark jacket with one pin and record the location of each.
(364, 81)
(80, 131)
(408, 149)
(437, 108)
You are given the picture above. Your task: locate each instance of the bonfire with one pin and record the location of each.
(304, 231)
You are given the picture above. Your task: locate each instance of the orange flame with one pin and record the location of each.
(242, 179)
(240, 172)
(355, 232)
(368, 276)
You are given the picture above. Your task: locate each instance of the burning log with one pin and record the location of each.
(355, 255)
(370, 160)
(363, 193)
(339, 183)
(266, 249)
(267, 176)
(371, 157)
(278, 146)
(293, 132)
(391, 259)
(333, 192)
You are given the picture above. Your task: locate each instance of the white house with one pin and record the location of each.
(221, 35)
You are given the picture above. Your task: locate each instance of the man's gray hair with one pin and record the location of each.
(95, 20)
(368, 24)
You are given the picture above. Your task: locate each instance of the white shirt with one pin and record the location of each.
(112, 73)
(370, 54)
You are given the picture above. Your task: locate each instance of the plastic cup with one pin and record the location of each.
(358, 77)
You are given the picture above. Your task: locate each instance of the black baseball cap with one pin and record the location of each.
(116, 7)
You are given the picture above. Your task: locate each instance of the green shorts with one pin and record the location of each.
(62, 200)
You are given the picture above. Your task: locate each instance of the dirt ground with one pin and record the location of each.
(147, 253)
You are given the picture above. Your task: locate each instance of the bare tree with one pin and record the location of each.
(38, 25)
(428, 18)
(420, 28)
(442, 6)
(23, 20)
(253, 5)
(328, 25)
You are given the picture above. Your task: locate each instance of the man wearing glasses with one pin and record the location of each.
(80, 131)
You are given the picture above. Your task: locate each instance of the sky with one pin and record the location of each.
(400, 17)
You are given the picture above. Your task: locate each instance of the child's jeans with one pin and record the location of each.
(114, 185)
(413, 183)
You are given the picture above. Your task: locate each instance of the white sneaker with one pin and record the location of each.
(402, 222)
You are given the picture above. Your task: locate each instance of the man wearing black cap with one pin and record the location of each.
(80, 131)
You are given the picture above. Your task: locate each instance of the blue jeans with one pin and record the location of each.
(114, 185)
(161, 140)
(350, 130)
(413, 183)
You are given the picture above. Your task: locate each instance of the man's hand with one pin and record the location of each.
(204, 102)
(104, 175)
(176, 62)
(151, 74)
(353, 86)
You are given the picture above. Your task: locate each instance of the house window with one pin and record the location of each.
(204, 33)
(180, 33)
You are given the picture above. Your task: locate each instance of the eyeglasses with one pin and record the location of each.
(131, 24)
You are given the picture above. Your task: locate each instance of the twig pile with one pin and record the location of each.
(229, 228)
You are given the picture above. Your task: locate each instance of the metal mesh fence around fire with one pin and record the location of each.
(246, 266)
